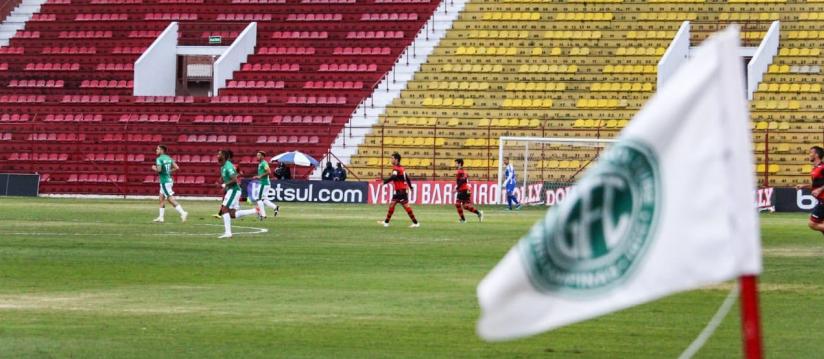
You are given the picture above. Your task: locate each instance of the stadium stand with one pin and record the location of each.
(66, 86)
(577, 68)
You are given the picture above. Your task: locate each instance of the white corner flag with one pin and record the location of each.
(667, 208)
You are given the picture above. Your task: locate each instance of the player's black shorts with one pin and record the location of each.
(817, 215)
(464, 196)
(401, 196)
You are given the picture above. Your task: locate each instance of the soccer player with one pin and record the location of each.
(510, 182)
(230, 208)
(402, 183)
(264, 171)
(816, 222)
(164, 167)
(464, 197)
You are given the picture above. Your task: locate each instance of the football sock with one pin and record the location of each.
(162, 212)
(245, 212)
(460, 211)
(227, 223)
(179, 209)
(261, 208)
(390, 212)
(269, 204)
(411, 215)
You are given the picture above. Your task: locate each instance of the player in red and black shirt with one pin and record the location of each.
(402, 185)
(816, 222)
(464, 197)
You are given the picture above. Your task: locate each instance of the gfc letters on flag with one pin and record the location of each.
(633, 231)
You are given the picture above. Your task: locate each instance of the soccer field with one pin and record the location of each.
(95, 278)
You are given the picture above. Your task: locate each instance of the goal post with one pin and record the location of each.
(547, 161)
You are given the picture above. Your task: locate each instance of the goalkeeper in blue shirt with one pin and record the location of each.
(510, 182)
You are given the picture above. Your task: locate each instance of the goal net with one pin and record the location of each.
(545, 167)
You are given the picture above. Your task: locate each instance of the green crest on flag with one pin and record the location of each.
(598, 236)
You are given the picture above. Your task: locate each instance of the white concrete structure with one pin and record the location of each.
(233, 57)
(17, 19)
(762, 58)
(155, 72)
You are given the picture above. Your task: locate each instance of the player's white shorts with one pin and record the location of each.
(231, 199)
(166, 190)
(263, 192)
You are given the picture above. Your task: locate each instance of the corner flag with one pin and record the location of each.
(667, 208)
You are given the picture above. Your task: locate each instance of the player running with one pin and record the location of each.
(231, 199)
(164, 167)
(464, 197)
(510, 182)
(402, 184)
(816, 222)
(264, 172)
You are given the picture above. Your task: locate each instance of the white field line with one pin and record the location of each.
(252, 230)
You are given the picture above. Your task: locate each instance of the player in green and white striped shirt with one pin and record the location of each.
(164, 167)
(264, 172)
(230, 208)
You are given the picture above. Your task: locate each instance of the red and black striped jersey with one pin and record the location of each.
(817, 176)
(462, 180)
(399, 178)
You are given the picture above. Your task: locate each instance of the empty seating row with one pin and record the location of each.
(59, 137)
(244, 17)
(300, 35)
(255, 84)
(319, 100)
(73, 117)
(115, 157)
(362, 51)
(317, 119)
(374, 35)
(163, 118)
(207, 138)
(165, 99)
(258, 1)
(348, 67)
(14, 117)
(144, 34)
(85, 35)
(288, 139)
(97, 178)
(115, 67)
(239, 99)
(101, 17)
(25, 156)
(286, 51)
(390, 17)
(270, 67)
(333, 85)
(196, 158)
(72, 50)
(122, 84)
(52, 67)
(314, 17)
(223, 119)
(22, 99)
(90, 99)
(128, 50)
(170, 16)
(131, 137)
(36, 83)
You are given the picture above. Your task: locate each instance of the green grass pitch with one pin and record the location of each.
(95, 278)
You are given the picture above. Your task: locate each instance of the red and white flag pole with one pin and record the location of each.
(750, 319)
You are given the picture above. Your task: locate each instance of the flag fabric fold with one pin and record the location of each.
(667, 208)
